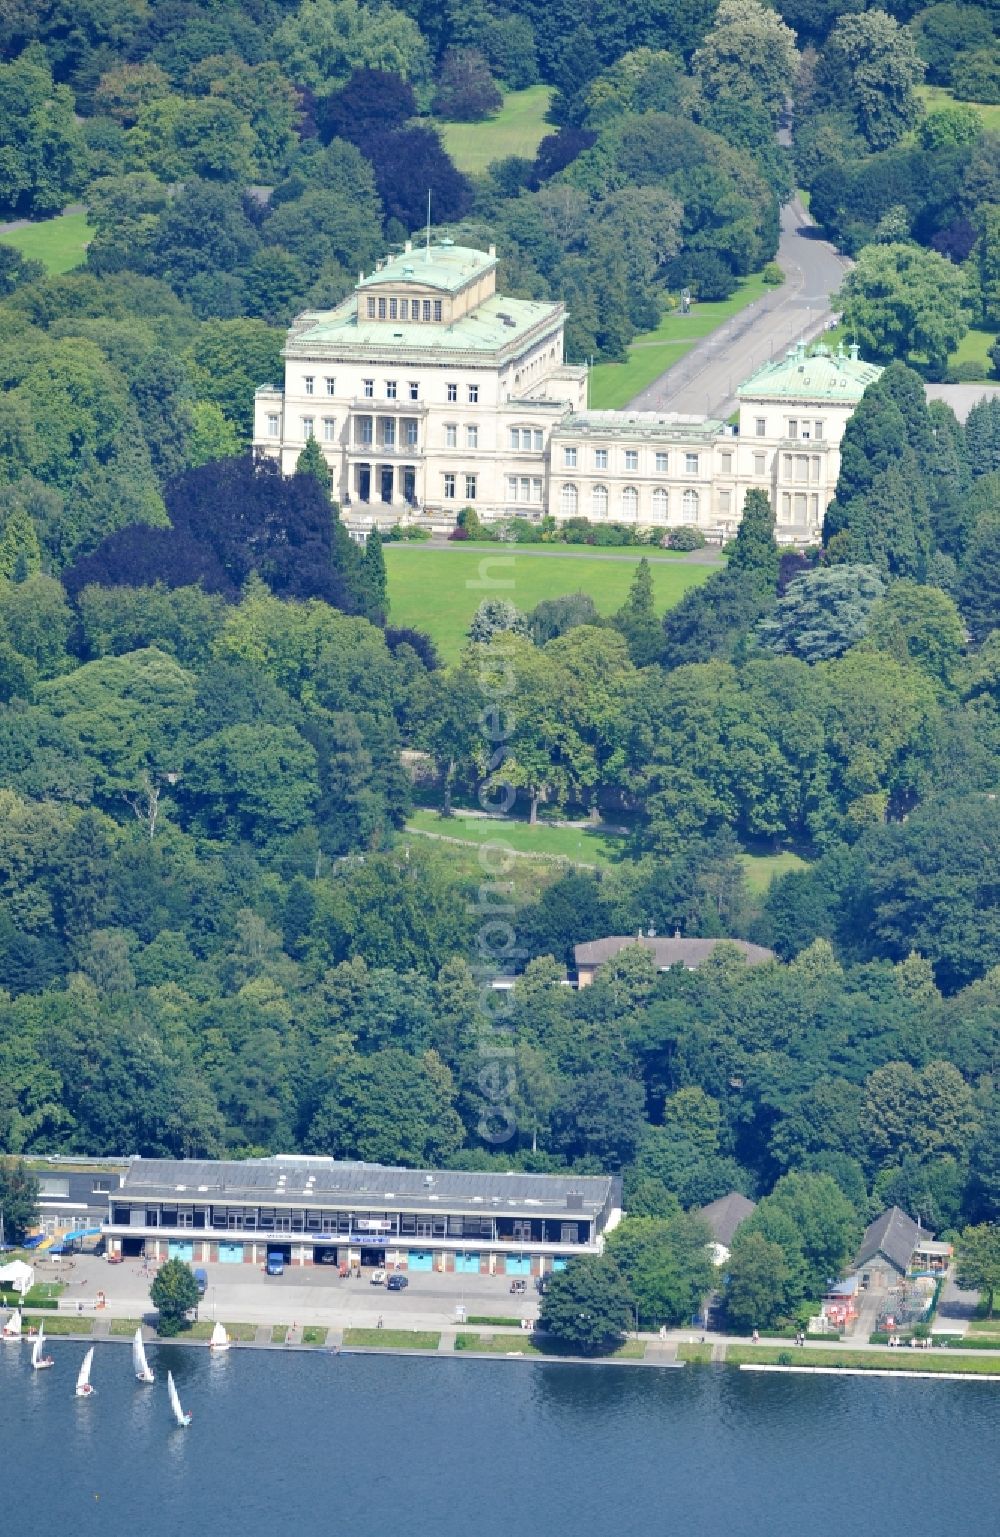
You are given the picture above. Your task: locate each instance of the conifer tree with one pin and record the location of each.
(20, 552)
(755, 550)
(373, 578)
(636, 619)
(311, 462)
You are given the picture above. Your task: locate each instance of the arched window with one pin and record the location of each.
(568, 501)
(690, 505)
(599, 501)
(630, 502)
(661, 505)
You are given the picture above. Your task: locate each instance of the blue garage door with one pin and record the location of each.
(518, 1264)
(180, 1250)
(467, 1264)
(230, 1254)
(421, 1259)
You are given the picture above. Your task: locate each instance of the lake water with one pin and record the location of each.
(318, 1443)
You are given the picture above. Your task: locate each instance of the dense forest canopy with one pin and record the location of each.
(214, 936)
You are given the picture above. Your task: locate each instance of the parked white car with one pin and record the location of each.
(378, 1277)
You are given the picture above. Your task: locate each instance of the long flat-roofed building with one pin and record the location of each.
(427, 391)
(320, 1210)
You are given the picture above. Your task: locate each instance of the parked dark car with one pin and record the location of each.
(397, 1282)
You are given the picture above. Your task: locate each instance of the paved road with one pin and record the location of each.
(705, 381)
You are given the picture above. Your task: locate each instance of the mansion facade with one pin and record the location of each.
(428, 392)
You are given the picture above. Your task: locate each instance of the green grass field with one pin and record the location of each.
(60, 1325)
(60, 244)
(762, 869)
(934, 97)
(613, 385)
(579, 845)
(517, 129)
(863, 1360)
(975, 348)
(393, 1339)
(434, 591)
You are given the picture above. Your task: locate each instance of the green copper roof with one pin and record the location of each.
(488, 329)
(630, 426)
(446, 267)
(816, 375)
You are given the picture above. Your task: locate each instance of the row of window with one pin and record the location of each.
(524, 488)
(404, 309)
(627, 507)
(388, 436)
(451, 436)
(795, 427)
(392, 390)
(692, 461)
(527, 439)
(451, 487)
(796, 507)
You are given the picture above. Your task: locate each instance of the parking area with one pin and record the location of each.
(307, 1294)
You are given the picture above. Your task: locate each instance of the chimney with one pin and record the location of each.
(855, 351)
(492, 250)
(408, 247)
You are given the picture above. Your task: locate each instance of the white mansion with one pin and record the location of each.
(428, 392)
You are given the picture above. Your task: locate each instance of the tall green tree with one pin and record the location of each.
(636, 619)
(755, 550)
(174, 1293)
(905, 302)
(18, 1198)
(588, 1307)
(978, 1261)
(374, 579)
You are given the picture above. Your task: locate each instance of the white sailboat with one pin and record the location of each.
(182, 1419)
(83, 1387)
(220, 1340)
(12, 1328)
(39, 1361)
(140, 1365)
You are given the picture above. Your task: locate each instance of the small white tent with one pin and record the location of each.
(18, 1275)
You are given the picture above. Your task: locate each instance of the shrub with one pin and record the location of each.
(686, 538)
(773, 275)
(785, 1358)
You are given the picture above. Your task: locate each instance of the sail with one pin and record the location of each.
(12, 1328)
(220, 1339)
(83, 1380)
(36, 1350)
(139, 1363)
(175, 1402)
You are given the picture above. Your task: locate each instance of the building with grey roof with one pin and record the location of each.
(690, 953)
(322, 1210)
(727, 1214)
(887, 1248)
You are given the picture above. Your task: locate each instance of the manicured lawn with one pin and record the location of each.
(518, 129)
(312, 1335)
(863, 1360)
(72, 1325)
(985, 1325)
(762, 869)
(579, 845)
(60, 244)
(934, 97)
(699, 1355)
(125, 1326)
(202, 1330)
(279, 1334)
(613, 385)
(975, 348)
(522, 1343)
(393, 1339)
(438, 591)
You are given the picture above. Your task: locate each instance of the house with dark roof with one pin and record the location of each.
(888, 1248)
(724, 1216)
(690, 953)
